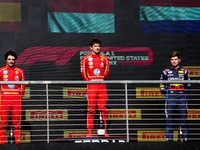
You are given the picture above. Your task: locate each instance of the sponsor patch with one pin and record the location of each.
(74, 92)
(27, 94)
(102, 65)
(96, 72)
(193, 114)
(90, 67)
(170, 72)
(90, 59)
(78, 134)
(180, 71)
(120, 114)
(5, 72)
(90, 63)
(194, 71)
(16, 78)
(5, 76)
(11, 86)
(149, 92)
(54, 114)
(154, 136)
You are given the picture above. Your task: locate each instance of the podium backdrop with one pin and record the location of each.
(51, 36)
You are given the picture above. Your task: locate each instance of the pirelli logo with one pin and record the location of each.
(193, 114)
(194, 71)
(78, 134)
(74, 92)
(154, 136)
(120, 114)
(54, 114)
(148, 92)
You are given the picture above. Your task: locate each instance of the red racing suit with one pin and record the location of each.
(95, 67)
(10, 102)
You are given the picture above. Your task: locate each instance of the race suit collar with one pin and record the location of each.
(175, 68)
(95, 55)
(9, 68)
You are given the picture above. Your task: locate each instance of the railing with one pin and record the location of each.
(58, 109)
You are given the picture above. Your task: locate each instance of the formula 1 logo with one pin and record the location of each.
(124, 55)
(62, 55)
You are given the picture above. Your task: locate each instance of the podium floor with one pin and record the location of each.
(104, 146)
(98, 139)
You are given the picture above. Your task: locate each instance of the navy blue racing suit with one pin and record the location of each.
(176, 103)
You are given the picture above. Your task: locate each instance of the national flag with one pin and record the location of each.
(81, 16)
(170, 16)
(10, 15)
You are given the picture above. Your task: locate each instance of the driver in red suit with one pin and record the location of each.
(10, 102)
(95, 67)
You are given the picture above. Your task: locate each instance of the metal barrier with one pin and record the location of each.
(135, 110)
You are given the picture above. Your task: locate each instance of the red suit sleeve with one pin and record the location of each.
(83, 69)
(1, 78)
(1, 75)
(106, 73)
(22, 87)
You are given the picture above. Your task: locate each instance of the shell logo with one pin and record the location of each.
(5, 76)
(90, 63)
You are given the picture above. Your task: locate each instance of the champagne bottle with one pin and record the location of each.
(11, 138)
(180, 136)
(101, 130)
